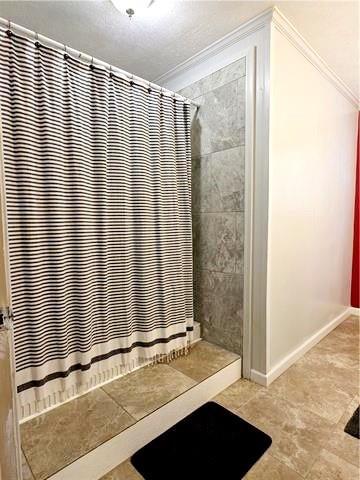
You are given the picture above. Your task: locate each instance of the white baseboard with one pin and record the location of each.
(291, 358)
(107, 456)
(258, 377)
(355, 311)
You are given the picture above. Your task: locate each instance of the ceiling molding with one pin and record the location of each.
(272, 16)
(287, 29)
(244, 30)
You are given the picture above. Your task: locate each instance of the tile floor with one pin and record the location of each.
(305, 411)
(56, 438)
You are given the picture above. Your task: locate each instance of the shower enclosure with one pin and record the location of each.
(122, 199)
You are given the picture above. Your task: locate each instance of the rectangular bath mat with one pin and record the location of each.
(210, 443)
(352, 426)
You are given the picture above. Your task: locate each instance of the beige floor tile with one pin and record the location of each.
(343, 343)
(342, 444)
(27, 475)
(60, 436)
(335, 368)
(298, 435)
(148, 388)
(125, 471)
(237, 394)
(268, 468)
(331, 467)
(204, 360)
(312, 390)
(350, 326)
(350, 409)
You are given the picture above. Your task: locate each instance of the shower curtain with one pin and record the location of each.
(97, 173)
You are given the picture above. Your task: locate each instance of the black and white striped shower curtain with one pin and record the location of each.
(97, 173)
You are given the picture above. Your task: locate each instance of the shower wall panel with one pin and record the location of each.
(218, 179)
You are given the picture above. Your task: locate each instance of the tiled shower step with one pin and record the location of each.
(107, 456)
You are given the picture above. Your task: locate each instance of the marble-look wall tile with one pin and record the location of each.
(218, 181)
(219, 307)
(218, 202)
(239, 242)
(214, 238)
(218, 124)
(221, 77)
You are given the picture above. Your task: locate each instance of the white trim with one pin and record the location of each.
(258, 377)
(219, 51)
(355, 311)
(250, 63)
(216, 49)
(110, 454)
(287, 29)
(259, 359)
(298, 352)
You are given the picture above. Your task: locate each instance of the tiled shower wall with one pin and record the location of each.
(218, 174)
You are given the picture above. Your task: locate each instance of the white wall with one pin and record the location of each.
(311, 201)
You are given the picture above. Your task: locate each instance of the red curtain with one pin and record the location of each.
(355, 286)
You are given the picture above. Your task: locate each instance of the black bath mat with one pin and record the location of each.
(210, 443)
(352, 426)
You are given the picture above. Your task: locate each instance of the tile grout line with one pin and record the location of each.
(205, 154)
(306, 411)
(28, 464)
(287, 466)
(121, 406)
(202, 94)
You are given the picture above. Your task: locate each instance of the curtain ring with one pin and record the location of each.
(161, 92)
(110, 72)
(66, 56)
(8, 31)
(91, 66)
(37, 43)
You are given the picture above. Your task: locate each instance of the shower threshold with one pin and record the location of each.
(87, 437)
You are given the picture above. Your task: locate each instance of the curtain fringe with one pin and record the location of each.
(96, 380)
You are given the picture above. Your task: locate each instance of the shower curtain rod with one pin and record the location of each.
(94, 61)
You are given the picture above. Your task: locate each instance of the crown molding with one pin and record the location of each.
(248, 28)
(272, 16)
(287, 29)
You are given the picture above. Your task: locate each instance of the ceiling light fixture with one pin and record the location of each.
(131, 6)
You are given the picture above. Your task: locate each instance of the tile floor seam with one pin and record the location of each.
(293, 405)
(249, 399)
(339, 455)
(28, 464)
(316, 456)
(304, 408)
(324, 449)
(282, 463)
(121, 406)
(185, 375)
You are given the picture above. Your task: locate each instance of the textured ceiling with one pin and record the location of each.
(169, 32)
